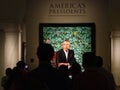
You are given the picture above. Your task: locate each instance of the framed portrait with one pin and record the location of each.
(80, 35)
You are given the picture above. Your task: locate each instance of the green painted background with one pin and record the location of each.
(79, 37)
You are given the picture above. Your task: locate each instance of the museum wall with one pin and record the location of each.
(104, 13)
(19, 22)
(49, 11)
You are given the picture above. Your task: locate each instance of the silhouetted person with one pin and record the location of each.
(45, 77)
(90, 79)
(107, 74)
(99, 61)
(64, 69)
(5, 79)
(16, 81)
(20, 69)
(53, 60)
(89, 60)
(75, 70)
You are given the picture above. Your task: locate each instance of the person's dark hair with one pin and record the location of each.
(75, 69)
(21, 64)
(99, 61)
(45, 52)
(89, 59)
(8, 71)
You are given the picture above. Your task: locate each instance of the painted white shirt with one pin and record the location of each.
(66, 54)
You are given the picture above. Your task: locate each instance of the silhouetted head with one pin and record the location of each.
(45, 52)
(75, 69)
(8, 71)
(21, 64)
(89, 59)
(99, 61)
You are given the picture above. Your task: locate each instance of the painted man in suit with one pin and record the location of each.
(65, 56)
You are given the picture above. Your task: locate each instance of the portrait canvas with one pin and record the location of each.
(80, 35)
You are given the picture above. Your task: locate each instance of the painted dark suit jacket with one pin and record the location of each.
(61, 58)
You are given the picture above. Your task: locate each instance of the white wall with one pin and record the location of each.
(9, 47)
(115, 55)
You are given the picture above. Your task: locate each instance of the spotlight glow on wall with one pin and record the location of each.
(115, 55)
